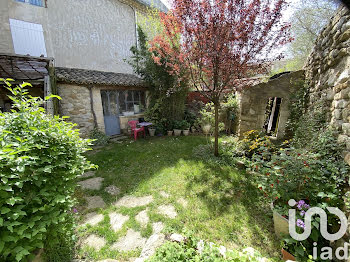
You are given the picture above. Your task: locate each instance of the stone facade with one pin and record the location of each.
(327, 72)
(253, 102)
(76, 103)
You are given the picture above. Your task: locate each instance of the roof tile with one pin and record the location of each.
(92, 77)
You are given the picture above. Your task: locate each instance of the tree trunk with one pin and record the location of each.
(216, 132)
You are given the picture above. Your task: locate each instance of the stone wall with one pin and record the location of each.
(75, 103)
(253, 102)
(327, 74)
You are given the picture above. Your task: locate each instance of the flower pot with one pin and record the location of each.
(206, 129)
(152, 131)
(170, 133)
(287, 256)
(177, 132)
(186, 132)
(280, 223)
(193, 129)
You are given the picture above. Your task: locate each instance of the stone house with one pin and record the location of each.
(265, 106)
(76, 49)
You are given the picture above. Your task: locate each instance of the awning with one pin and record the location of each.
(24, 68)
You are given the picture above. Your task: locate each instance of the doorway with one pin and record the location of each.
(111, 112)
(272, 116)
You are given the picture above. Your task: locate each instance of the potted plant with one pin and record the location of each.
(151, 131)
(177, 128)
(190, 118)
(206, 120)
(185, 127)
(286, 255)
(169, 126)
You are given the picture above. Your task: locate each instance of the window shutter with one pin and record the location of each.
(28, 38)
(36, 2)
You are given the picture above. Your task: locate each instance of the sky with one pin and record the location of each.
(166, 3)
(287, 14)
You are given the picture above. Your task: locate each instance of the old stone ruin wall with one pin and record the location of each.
(327, 74)
(253, 102)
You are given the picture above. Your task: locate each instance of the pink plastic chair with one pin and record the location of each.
(135, 130)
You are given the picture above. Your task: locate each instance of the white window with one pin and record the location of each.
(28, 38)
(32, 2)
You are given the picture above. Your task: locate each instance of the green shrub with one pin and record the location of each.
(192, 250)
(99, 138)
(40, 159)
(317, 174)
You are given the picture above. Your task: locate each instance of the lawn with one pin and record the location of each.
(222, 205)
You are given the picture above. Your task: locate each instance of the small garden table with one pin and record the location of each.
(145, 125)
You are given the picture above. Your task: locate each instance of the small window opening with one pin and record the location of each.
(272, 116)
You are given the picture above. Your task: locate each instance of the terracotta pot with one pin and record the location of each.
(280, 223)
(287, 256)
(177, 132)
(152, 131)
(186, 132)
(206, 129)
(170, 133)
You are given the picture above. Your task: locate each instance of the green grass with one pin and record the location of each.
(223, 206)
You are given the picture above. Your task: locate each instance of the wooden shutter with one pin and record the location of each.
(28, 38)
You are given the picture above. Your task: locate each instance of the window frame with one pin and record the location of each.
(43, 2)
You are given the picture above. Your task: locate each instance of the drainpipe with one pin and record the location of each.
(135, 18)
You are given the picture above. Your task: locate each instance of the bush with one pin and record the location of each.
(99, 138)
(40, 159)
(317, 174)
(192, 250)
(255, 142)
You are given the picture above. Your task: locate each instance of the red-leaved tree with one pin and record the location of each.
(217, 43)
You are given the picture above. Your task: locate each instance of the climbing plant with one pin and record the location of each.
(167, 94)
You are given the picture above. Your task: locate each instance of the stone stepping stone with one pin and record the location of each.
(131, 241)
(92, 183)
(117, 221)
(95, 202)
(112, 190)
(142, 218)
(95, 242)
(155, 241)
(164, 194)
(167, 210)
(88, 174)
(131, 201)
(93, 219)
(157, 227)
(177, 238)
(183, 202)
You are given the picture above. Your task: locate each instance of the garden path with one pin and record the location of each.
(129, 239)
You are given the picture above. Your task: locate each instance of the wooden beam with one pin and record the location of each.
(92, 106)
(54, 90)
